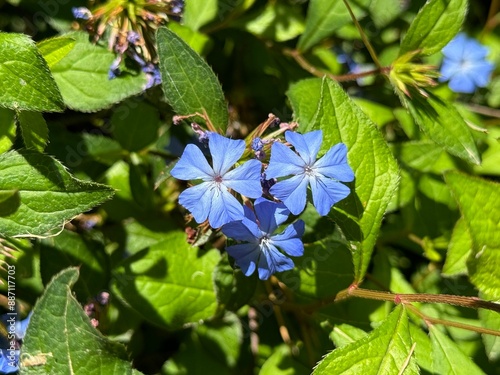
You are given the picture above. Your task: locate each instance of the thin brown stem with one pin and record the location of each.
(306, 65)
(470, 302)
(365, 40)
(449, 323)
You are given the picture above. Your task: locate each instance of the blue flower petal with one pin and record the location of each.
(245, 179)
(272, 261)
(462, 83)
(5, 367)
(192, 165)
(292, 246)
(455, 49)
(283, 162)
(225, 208)
(307, 145)
(290, 240)
(448, 70)
(225, 152)
(242, 230)
(482, 73)
(246, 256)
(197, 200)
(292, 192)
(326, 193)
(270, 214)
(334, 164)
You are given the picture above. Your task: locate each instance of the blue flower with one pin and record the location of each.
(211, 199)
(81, 13)
(322, 175)
(9, 346)
(260, 250)
(465, 65)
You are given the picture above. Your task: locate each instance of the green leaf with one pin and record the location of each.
(434, 26)
(232, 287)
(135, 124)
(477, 200)
(26, 82)
(444, 125)
(283, 362)
(211, 348)
(7, 129)
(491, 156)
(69, 344)
(171, 288)
(197, 41)
(378, 113)
(459, 250)
(34, 130)
(447, 356)
(417, 155)
(82, 77)
(324, 269)
(54, 50)
(383, 12)
(325, 17)
(277, 21)
(71, 249)
(423, 348)
(198, 13)
(48, 194)
(189, 84)
(490, 319)
(324, 105)
(344, 334)
(386, 350)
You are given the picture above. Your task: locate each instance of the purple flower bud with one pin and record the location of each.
(153, 73)
(257, 144)
(81, 13)
(133, 37)
(267, 184)
(114, 69)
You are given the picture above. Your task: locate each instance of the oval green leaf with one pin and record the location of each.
(434, 26)
(170, 283)
(189, 84)
(26, 82)
(48, 193)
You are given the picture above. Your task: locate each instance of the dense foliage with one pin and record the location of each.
(250, 186)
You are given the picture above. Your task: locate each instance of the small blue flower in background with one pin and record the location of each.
(260, 248)
(323, 175)
(211, 199)
(81, 13)
(465, 65)
(9, 356)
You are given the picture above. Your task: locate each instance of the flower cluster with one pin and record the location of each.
(279, 190)
(131, 26)
(465, 65)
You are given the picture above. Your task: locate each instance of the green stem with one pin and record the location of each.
(363, 36)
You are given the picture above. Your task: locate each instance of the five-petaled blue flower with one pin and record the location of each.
(211, 199)
(260, 248)
(465, 65)
(323, 175)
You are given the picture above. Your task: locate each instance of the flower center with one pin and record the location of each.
(218, 179)
(308, 170)
(264, 241)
